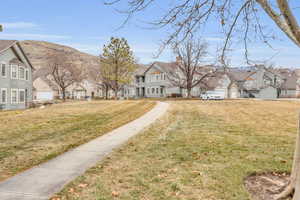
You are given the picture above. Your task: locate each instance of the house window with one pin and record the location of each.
(14, 96)
(3, 93)
(21, 96)
(21, 73)
(14, 71)
(148, 90)
(156, 90)
(27, 75)
(153, 90)
(3, 70)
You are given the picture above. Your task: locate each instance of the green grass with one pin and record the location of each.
(30, 137)
(199, 150)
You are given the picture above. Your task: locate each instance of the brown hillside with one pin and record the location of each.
(38, 52)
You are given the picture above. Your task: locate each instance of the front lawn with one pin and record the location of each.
(29, 137)
(199, 150)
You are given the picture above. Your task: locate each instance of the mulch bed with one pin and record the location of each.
(265, 186)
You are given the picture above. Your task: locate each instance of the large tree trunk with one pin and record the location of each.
(63, 94)
(189, 93)
(294, 183)
(295, 176)
(106, 92)
(116, 94)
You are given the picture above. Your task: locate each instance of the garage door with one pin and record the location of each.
(44, 96)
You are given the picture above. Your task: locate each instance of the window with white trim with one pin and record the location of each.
(14, 71)
(21, 73)
(3, 70)
(26, 74)
(3, 93)
(21, 96)
(14, 96)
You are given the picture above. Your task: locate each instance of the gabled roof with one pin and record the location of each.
(6, 44)
(141, 69)
(210, 83)
(239, 75)
(164, 66)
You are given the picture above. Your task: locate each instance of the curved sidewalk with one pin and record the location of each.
(43, 181)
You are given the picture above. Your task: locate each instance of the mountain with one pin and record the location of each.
(38, 53)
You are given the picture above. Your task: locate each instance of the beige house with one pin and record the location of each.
(222, 83)
(86, 89)
(42, 91)
(43, 88)
(46, 90)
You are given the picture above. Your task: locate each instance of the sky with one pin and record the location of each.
(88, 25)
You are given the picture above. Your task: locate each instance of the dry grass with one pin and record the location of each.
(29, 137)
(199, 150)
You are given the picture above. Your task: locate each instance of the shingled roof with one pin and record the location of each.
(5, 44)
(141, 70)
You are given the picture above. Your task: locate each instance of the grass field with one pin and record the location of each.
(199, 150)
(29, 137)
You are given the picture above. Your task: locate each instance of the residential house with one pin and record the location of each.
(252, 82)
(222, 83)
(262, 83)
(258, 82)
(15, 76)
(153, 82)
(86, 89)
(43, 88)
(290, 88)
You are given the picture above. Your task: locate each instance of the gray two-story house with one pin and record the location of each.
(152, 81)
(15, 76)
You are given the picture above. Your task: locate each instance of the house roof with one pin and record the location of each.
(6, 44)
(166, 66)
(210, 83)
(43, 74)
(239, 75)
(290, 79)
(141, 69)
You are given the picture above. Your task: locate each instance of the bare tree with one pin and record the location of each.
(98, 74)
(63, 72)
(188, 72)
(236, 19)
(240, 17)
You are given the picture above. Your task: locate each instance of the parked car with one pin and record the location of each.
(212, 95)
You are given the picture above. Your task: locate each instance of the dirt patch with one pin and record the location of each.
(265, 186)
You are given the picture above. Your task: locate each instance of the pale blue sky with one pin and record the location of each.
(87, 25)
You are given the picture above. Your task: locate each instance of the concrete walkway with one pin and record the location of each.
(43, 181)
